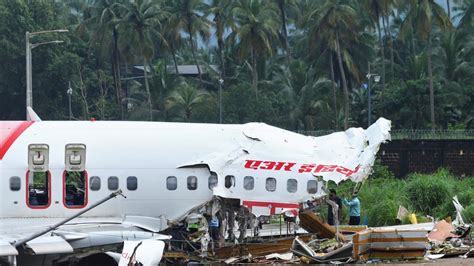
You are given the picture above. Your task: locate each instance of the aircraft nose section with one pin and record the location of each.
(9, 132)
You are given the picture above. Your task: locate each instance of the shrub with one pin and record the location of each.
(468, 214)
(431, 194)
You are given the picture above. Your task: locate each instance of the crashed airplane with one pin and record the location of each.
(53, 170)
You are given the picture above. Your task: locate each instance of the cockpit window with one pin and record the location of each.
(75, 186)
(39, 192)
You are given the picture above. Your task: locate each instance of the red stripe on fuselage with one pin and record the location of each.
(9, 132)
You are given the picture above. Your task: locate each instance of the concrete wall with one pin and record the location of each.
(426, 156)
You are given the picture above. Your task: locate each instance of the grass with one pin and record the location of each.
(422, 194)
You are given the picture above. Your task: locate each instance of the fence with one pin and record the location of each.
(424, 151)
(412, 134)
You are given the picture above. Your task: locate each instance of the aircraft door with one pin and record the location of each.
(38, 177)
(75, 190)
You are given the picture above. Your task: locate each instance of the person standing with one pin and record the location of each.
(333, 197)
(354, 209)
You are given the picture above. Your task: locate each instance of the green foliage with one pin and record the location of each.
(381, 171)
(469, 214)
(300, 65)
(382, 194)
(428, 193)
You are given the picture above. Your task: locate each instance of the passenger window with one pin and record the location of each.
(15, 183)
(271, 184)
(132, 183)
(94, 183)
(113, 183)
(192, 183)
(38, 194)
(248, 183)
(229, 181)
(292, 185)
(312, 186)
(75, 186)
(212, 181)
(171, 183)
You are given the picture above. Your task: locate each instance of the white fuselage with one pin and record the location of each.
(152, 152)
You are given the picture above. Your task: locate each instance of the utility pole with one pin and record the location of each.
(369, 95)
(69, 94)
(221, 81)
(30, 46)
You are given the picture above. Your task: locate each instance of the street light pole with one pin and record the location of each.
(221, 81)
(30, 46)
(29, 92)
(369, 95)
(69, 94)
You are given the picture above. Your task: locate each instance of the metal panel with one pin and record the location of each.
(49, 245)
(6, 249)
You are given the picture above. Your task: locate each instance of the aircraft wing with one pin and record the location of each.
(77, 234)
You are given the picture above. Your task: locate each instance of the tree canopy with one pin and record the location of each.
(296, 64)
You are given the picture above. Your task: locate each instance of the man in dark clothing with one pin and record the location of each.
(333, 197)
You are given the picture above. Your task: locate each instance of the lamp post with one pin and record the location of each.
(30, 46)
(369, 96)
(69, 94)
(221, 81)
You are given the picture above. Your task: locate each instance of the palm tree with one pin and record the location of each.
(138, 27)
(375, 9)
(221, 10)
(284, 6)
(188, 16)
(101, 19)
(335, 23)
(185, 98)
(256, 26)
(464, 13)
(423, 14)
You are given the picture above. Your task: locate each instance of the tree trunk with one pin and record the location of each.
(254, 72)
(390, 42)
(344, 83)
(334, 94)
(430, 78)
(281, 6)
(220, 44)
(448, 4)
(126, 86)
(145, 72)
(175, 63)
(382, 53)
(191, 41)
(413, 42)
(117, 77)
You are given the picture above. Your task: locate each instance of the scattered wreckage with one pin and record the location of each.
(322, 243)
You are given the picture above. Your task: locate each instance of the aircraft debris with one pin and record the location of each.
(390, 244)
(314, 224)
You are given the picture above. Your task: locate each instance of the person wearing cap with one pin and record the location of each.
(333, 196)
(354, 209)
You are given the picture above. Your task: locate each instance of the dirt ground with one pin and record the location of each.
(442, 261)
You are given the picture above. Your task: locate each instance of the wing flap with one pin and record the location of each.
(6, 249)
(49, 245)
